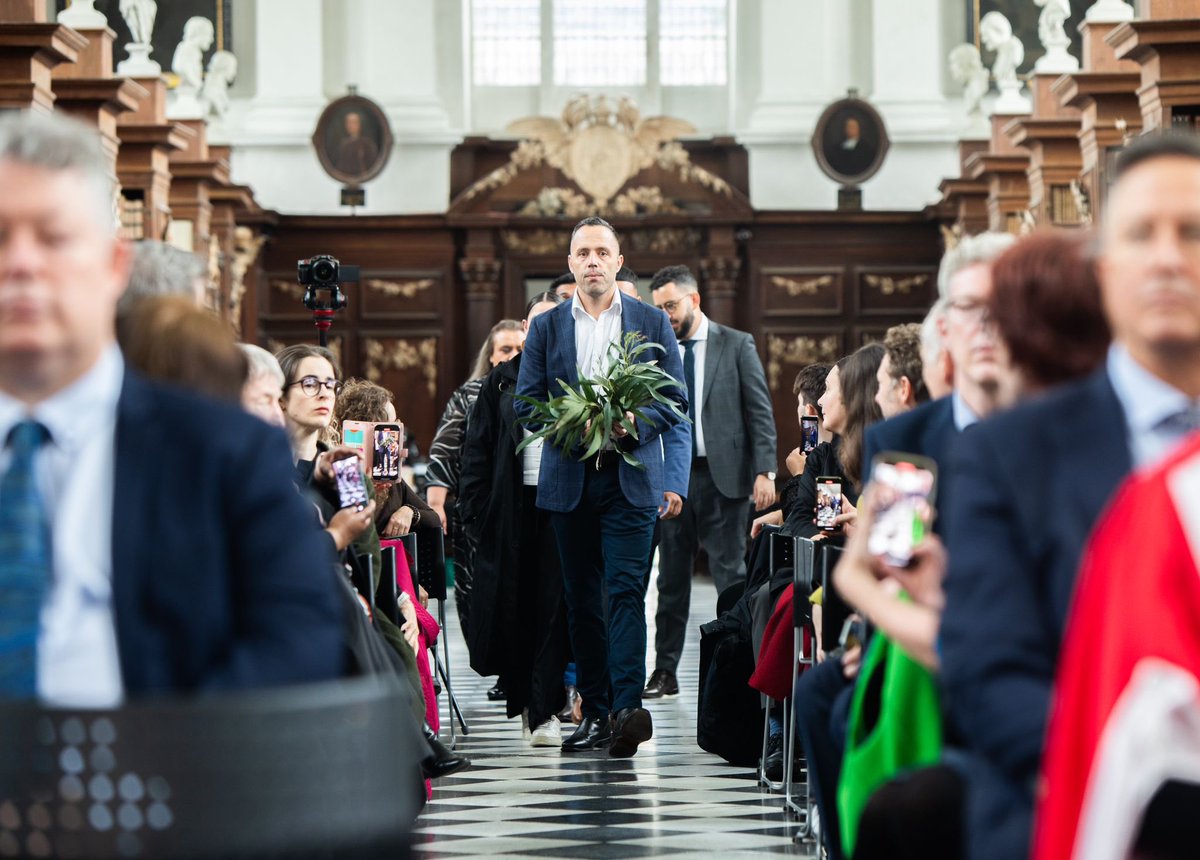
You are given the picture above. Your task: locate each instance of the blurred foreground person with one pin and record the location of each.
(90, 503)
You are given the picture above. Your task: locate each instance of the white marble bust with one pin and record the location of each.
(188, 61)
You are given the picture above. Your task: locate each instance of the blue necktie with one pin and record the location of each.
(689, 376)
(24, 562)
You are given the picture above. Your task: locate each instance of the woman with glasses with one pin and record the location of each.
(312, 382)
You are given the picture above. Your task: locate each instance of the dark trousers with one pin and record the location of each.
(604, 544)
(713, 521)
(822, 704)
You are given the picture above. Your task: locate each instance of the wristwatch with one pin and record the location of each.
(770, 475)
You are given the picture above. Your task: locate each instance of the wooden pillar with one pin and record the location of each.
(1167, 52)
(1051, 135)
(1003, 167)
(143, 161)
(481, 276)
(29, 51)
(87, 90)
(193, 171)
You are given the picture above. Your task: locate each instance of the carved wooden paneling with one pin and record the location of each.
(801, 290)
(787, 352)
(895, 289)
(402, 295)
(337, 343)
(408, 366)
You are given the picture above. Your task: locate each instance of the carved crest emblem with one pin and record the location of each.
(600, 145)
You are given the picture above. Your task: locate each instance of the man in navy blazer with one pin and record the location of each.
(166, 549)
(603, 509)
(1029, 484)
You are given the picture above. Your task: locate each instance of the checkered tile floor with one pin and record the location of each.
(672, 798)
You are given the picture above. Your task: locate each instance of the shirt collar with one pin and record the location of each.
(577, 309)
(1147, 400)
(964, 415)
(71, 415)
(701, 330)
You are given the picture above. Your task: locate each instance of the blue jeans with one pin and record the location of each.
(604, 544)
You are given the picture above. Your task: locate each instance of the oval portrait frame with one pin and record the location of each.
(874, 131)
(376, 128)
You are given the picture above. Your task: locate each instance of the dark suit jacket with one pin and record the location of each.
(927, 430)
(1027, 486)
(549, 355)
(221, 578)
(737, 419)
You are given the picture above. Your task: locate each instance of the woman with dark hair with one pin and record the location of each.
(523, 639)
(445, 454)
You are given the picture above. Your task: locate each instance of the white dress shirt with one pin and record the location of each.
(77, 660)
(699, 354)
(594, 336)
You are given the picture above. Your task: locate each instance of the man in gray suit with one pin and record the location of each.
(733, 460)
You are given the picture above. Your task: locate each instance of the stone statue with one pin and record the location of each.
(1108, 11)
(996, 33)
(966, 67)
(1052, 34)
(139, 16)
(188, 61)
(222, 69)
(81, 15)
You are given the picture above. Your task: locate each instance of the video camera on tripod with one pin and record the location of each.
(322, 277)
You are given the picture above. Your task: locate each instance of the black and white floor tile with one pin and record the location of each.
(672, 798)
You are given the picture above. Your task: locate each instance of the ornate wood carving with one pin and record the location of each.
(665, 240)
(482, 277)
(335, 345)
(807, 287)
(402, 354)
(538, 243)
(798, 350)
(289, 288)
(246, 246)
(888, 285)
(399, 289)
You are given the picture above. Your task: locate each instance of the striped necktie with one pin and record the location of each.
(24, 562)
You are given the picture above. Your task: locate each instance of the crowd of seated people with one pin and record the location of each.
(1051, 367)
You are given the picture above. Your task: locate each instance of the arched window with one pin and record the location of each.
(615, 43)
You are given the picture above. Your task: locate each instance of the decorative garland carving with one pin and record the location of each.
(246, 246)
(399, 289)
(807, 287)
(800, 350)
(537, 243)
(556, 202)
(402, 354)
(889, 286)
(600, 146)
(289, 288)
(665, 239)
(482, 276)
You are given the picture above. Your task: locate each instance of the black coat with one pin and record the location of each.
(490, 506)
(822, 462)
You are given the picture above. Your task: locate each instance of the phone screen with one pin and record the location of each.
(829, 502)
(808, 433)
(385, 464)
(351, 486)
(903, 509)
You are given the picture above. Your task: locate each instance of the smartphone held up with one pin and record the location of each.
(351, 485)
(903, 495)
(829, 502)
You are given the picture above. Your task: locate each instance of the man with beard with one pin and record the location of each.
(733, 459)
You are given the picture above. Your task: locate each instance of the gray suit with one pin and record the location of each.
(739, 435)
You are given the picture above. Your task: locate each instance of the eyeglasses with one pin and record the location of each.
(670, 306)
(971, 311)
(312, 386)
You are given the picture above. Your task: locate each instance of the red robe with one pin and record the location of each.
(1125, 715)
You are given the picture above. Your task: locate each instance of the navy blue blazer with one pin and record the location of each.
(1027, 487)
(927, 430)
(549, 355)
(221, 577)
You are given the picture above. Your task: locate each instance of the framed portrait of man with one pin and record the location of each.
(353, 140)
(850, 141)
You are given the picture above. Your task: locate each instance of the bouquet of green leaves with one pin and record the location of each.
(583, 417)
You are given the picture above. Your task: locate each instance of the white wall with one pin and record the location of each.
(791, 59)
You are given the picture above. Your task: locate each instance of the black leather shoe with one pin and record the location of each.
(773, 764)
(497, 693)
(593, 733)
(631, 726)
(567, 714)
(662, 683)
(440, 761)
